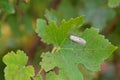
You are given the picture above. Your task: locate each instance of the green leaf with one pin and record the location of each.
(64, 61)
(7, 6)
(97, 13)
(113, 3)
(87, 74)
(52, 34)
(16, 69)
(12, 58)
(53, 76)
(71, 54)
(38, 78)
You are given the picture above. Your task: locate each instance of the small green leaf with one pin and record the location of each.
(52, 34)
(12, 58)
(113, 3)
(16, 69)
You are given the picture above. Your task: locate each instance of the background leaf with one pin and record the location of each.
(96, 13)
(16, 69)
(7, 6)
(113, 3)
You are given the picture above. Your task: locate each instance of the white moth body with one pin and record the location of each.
(77, 39)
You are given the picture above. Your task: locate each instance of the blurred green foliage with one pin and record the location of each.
(114, 3)
(18, 23)
(7, 7)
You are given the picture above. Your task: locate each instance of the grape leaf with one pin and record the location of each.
(91, 55)
(113, 3)
(7, 6)
(16, 69)
(52, 34)
(97, 13)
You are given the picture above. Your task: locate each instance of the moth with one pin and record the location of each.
(77, 39)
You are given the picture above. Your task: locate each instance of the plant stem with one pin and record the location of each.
(55, 49)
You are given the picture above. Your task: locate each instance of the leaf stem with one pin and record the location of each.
(55, 49)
